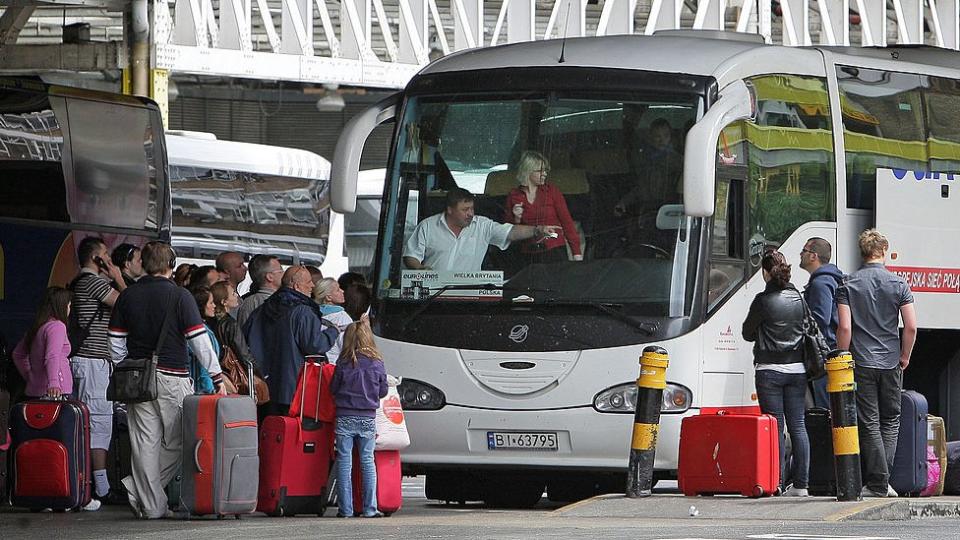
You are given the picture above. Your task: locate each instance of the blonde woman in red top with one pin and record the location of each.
(536, 202)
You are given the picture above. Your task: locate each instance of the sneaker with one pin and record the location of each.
(92, 506)
(891, 492)
(374, 515)
(796, 492)
(134, 507)
(869, 493)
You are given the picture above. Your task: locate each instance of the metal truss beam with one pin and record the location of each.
(381, 43)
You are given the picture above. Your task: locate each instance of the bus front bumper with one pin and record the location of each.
(459, 437)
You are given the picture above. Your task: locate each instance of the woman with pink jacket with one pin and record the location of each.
(43, 356)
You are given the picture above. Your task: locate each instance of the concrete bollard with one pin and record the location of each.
(646, 420)
(843, 412)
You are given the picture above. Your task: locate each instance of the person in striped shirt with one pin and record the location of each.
(137, 329)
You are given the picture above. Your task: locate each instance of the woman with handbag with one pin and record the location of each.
(775, 323)
(234, 353)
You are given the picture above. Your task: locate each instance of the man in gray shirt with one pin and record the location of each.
(870, 304)
(266, 273)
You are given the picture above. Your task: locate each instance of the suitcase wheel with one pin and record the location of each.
(757, 491)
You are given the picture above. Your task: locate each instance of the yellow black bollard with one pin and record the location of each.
(843, 412)
(646, 420)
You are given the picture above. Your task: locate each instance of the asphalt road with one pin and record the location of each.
(420, 519)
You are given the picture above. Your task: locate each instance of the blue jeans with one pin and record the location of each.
(360, 431)
(783, 395)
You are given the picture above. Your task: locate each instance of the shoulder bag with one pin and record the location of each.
(134, 380)
(815, 348)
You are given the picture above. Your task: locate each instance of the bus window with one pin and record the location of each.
(114, 175)
(882, 127)
(788, 154)
(31, 150)
(943, 123)
(727, 266)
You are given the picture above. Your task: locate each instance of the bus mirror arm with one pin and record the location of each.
(346, 157)
(736, 103)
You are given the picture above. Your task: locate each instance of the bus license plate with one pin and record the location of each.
(502, 440)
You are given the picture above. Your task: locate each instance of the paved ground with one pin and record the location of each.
(420, 519)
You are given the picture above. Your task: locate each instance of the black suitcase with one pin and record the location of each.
(823, 478)
(909, 474)
(119, 455)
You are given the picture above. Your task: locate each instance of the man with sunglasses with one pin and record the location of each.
(821, 296)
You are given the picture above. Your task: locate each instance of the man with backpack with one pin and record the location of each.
(821, 296)
(93, 300)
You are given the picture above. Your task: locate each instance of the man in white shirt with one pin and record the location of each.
(458, 240)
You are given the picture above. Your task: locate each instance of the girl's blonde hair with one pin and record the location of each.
(358, 339)
(530, 161)
(221, 293)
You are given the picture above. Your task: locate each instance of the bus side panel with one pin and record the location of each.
(30, 263)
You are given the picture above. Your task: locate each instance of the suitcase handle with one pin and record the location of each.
(196, 456)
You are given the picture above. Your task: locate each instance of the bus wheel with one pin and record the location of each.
(513, 491)
(458, 487)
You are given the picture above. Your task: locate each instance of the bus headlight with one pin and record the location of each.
(420, 396)
(623, 399)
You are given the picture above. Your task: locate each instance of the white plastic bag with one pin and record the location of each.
(391, 426)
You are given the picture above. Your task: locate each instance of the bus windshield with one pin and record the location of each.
(473, 176)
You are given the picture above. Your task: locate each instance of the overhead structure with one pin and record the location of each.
(382, 43)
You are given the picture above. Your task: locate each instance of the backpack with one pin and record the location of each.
(76, 332)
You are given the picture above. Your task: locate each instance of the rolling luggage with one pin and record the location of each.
(296, 455)
(823, 478)
(389, 482)
(936, 441)
(909, 474)
(729, 453)
(951, 476)
(50, 454)
(220, 458)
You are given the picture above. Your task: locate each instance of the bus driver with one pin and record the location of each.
(458, 240)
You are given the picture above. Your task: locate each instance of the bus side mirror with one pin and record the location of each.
(736, 103)
(346, 157)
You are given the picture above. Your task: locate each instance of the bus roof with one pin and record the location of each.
(201, 150)
(723, 55)
(694, 55)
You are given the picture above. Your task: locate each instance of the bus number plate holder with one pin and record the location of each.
(517, 440)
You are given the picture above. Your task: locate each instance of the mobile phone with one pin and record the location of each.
(100, 262)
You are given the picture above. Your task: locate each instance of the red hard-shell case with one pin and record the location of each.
(729, 453)
(389, 481)
(295, 461)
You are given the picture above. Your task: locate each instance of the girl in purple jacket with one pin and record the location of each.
(359, 382)
(43, 356)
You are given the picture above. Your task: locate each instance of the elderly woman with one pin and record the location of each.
(329, 296)
(536, 202)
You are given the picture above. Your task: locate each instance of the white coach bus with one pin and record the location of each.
(521, 376)
(252, 198)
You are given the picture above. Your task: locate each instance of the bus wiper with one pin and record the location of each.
(462, 287)
(607, 308)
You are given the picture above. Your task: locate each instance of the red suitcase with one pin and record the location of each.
(295, 462)
(729, 453)
(389, 481)
(296, 454)
(50, 454)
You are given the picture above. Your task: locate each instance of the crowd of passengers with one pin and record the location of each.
(122, 302)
